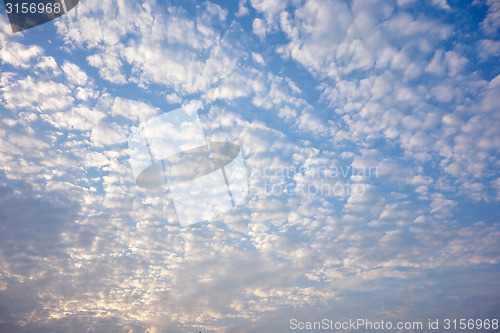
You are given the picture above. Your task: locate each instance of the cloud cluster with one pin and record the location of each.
(370, 140)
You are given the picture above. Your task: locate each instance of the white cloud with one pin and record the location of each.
(47, 63)
(270, 8)
(488, 48)
(435, 65)
(259, 27)
(109, 67)
(107, 133)
(441, 3)
(257, 57)
(469, 156)
(443, 93)
(310, 123)
(454, 62)
(77, 118)
(173, 98)
(74, 73)
(15, 53)
(407, 26)
(491, 23)
(495, 184)
(313, 35)
(402, 3)
(133, 110)
(30, 94)
(440, 206)
(234, 86)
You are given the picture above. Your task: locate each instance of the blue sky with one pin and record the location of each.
(369, 131)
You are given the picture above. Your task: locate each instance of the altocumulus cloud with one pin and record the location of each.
(408, 89)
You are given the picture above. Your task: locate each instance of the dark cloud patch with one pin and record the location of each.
(80, 324)
(31, 246)
(31, 224)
